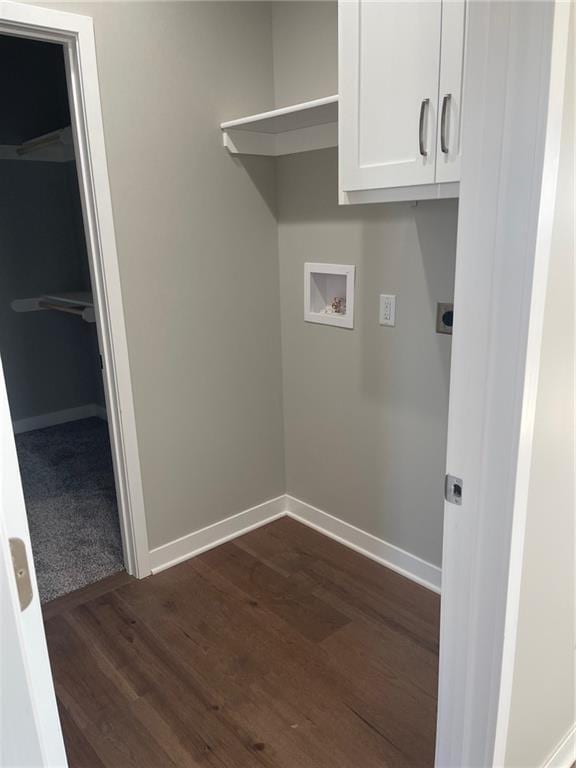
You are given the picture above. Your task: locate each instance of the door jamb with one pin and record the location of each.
(76, 34)
(515, 68)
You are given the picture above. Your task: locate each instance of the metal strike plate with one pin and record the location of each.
(21, 572)
(444, 317)
(453, 490)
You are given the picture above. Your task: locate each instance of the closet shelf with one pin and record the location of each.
(54, 147)
(78, 303)
(299, 128)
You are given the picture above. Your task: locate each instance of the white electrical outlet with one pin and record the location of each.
(387, 310)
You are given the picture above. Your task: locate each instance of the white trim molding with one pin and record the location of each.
(54, 418)
(564, 756)
(211, 536)
(388, 555)
(76, 35)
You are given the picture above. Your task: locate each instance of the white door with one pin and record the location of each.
(388, 82)
(451, 90)
(516, 54)
(30, 733)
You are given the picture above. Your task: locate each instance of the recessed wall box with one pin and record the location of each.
(329, 294)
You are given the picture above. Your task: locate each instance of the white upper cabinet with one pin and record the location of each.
(400, 73)
(450, 94)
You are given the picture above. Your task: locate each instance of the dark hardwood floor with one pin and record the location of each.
(281, 649)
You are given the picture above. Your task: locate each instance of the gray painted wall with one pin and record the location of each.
(197, 248)
(543, 706)
(50, 359)
(200, 247)
(305, 39)
(365, 411)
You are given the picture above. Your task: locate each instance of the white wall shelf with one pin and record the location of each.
(78, 303)
(54, 147)
(329, 294)
(285, 131)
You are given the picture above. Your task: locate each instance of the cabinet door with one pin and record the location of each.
(451, 91)
(389, 56)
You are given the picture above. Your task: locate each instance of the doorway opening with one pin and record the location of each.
(48, 336)
(78, 481)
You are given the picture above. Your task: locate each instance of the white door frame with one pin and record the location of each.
(76, 34)
(516, 61)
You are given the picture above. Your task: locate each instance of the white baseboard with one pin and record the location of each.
(564, 756)
(218, 533)
(392, 557)
(59, 417)
(386, 554)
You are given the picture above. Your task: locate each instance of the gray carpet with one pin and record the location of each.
(71, 504)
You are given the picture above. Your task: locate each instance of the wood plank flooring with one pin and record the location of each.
(281, 649)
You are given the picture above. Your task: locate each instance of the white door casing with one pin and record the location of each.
(76, 34)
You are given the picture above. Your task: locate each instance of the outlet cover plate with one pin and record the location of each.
(387, 309)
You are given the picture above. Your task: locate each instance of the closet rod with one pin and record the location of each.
(61, 308)
(79, 303)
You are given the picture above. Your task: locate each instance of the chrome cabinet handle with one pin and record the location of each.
(423, 107)
(443, 142)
